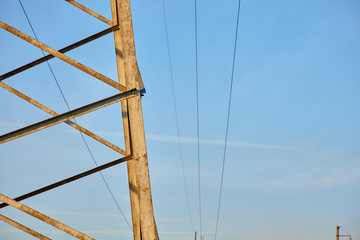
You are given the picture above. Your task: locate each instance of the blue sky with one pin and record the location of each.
(292, 167)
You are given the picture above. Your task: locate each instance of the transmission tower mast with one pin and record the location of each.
(138, 171)
(131, 89)
(338, 235)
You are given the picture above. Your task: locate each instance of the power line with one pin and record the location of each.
(197, 116)
(67, 104)
(344, 230)
(176, 117)
(228, 117)
(352, 224)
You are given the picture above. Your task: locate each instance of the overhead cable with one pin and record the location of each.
(352, 224)
(197, 114)
(176, 117)
(228, 117)
(344, 231)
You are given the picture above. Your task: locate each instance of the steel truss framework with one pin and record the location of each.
(131, 89)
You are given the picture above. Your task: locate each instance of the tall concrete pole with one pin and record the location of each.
(139, 170)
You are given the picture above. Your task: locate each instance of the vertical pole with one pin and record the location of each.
(337, 232)
(195, 235)
(133, 188)
(136, 125)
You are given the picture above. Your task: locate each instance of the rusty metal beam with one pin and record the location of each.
(23, 228)
(63, 50)
(61, 56)
(70, 179)
(91, 12)
(44, 218)
(68, 115)
(70, 123)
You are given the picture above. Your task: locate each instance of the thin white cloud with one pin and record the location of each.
(317, 179)
(204, 141)
(190, 140)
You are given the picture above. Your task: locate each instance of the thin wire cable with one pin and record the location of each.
(228, 118)
(67, 104)
(176, 117)
(197, 116)
(352, 224)
(341, 228)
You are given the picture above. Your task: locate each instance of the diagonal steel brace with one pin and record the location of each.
(71, 123)
(23, 228)
(62, 50)
(44, 218)
(70, 179)
(68, 115)
(89, 11)
(63, 57)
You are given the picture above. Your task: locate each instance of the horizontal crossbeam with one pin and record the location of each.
(23, 228)
(67, 116)
(44, 218)
(69, 122)
(63, 50)
(89, 11)
(70, 179)
(61, 56)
